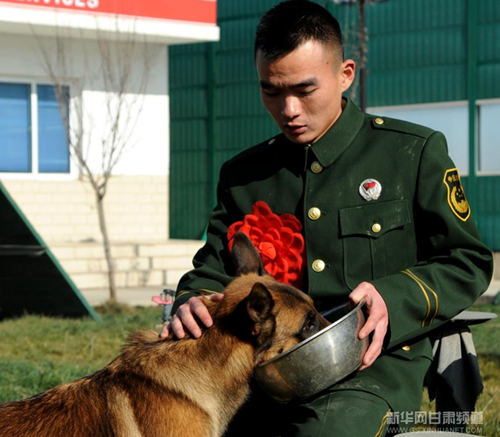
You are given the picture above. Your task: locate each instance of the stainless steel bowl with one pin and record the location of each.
(318, 362)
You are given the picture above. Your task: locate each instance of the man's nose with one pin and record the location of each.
(290, 107)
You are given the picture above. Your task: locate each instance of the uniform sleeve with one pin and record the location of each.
(213, 267)
(454, 267)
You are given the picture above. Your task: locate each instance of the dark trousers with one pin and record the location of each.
(334, 414)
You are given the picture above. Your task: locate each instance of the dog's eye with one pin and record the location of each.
(309, 326)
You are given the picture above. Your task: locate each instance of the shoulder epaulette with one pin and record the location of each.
(392, 124)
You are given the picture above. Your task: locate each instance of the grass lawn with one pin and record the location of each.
(37, 353)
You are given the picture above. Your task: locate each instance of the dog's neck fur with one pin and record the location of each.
(226, 394)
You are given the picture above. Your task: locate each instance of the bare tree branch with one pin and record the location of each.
(124, 101)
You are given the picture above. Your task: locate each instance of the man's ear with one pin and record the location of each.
(259, 305)
(246, 256)
(348, 72)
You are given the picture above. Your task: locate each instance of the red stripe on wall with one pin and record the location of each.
(197, 11)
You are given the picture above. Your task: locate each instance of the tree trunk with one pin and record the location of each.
(107, 247)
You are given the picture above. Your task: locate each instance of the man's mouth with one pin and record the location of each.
(295, 129)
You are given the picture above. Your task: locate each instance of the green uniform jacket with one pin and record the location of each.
(416, 243)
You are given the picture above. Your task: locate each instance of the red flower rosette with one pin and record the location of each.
(278, 239)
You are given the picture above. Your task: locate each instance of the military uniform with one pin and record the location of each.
(380, 201)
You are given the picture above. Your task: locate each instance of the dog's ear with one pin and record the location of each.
(246, 256)
(259, 305)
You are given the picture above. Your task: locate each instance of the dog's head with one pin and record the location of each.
(272, 315)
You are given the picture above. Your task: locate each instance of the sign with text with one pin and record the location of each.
(195, 11)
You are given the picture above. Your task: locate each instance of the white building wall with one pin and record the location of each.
(61, 207)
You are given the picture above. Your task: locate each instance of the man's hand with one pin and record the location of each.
(377, 322)
(184, 318)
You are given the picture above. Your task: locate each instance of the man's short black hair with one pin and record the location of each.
(291, 23)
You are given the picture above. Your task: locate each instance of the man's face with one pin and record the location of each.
(303, 90)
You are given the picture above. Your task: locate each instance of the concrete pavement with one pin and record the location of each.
(138, 296)
(491, 292)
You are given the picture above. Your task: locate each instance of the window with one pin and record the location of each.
(15, 123)
(489, 138)
(33, 138)
(452, 121)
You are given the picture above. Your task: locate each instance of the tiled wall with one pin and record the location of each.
(136, 208)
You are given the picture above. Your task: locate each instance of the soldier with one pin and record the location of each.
(382, 215)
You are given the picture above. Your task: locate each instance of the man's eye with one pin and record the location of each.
(270, 93)
(307, 93)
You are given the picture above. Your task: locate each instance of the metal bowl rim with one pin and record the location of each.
(304, 342)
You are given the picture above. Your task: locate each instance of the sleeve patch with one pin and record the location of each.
(456, 194)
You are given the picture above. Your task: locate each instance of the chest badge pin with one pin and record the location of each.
(370, 189)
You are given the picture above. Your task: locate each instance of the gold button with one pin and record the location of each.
(318, 265)
(406, 348)
(376, 228)
(379, 121)
(314, 213)
(316, 167)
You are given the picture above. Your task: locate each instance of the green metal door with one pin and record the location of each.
(419, 51)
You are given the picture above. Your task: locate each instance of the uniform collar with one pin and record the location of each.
(333, 143)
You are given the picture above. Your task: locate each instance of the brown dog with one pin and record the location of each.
(181, 388)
